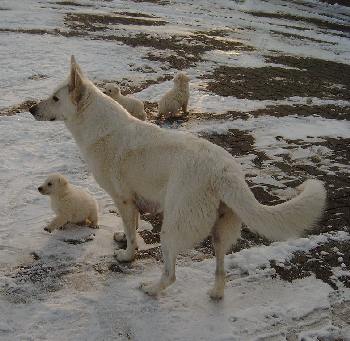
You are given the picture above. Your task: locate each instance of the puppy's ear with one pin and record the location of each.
(184, 77)
(77, 85)
(62, 180)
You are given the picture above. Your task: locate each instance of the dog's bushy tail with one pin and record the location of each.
(280, 222)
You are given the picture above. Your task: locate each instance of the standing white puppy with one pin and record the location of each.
(133, 105)
(176, 98)
(70, 203)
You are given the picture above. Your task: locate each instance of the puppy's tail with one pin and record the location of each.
(280, 222)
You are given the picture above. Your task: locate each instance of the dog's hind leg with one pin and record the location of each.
(130, 217)
(226, 231)
(168, 274)
(185, 223)
(93, 219)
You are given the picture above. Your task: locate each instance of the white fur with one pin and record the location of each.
(197, 185)
(70, 203)
(176, 98)
(133, 105)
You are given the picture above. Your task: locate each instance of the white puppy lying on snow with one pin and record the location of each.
(133, 105)
(176, 98)
(70, 203)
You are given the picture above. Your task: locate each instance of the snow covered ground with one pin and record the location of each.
(67, 285)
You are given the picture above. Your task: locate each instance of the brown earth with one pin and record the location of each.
(309, 77)
(323, 24)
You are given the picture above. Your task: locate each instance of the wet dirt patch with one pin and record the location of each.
(319, 261)
(82, 240)
(22, 107)
(157, 2)
(101, 22)
(72, 3)
(312, 78)
(323, 24)
(38, 76)
(326, 111)
(339, 2)
(54, 32)
(36, 280)
(189, 49)
(154, 252)
(174, 61)
(129, 87)
(236, 142)
(150, 237)
(213, 33)
(334, 176)
(137, 15)
(300, 37)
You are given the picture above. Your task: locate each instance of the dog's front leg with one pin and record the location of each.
(130, 217)
(56, 223)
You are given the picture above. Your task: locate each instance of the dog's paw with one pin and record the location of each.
(119, 237)
(94, 226)
(149, 288)
(47, 229)
(215, 294)
(124, 256)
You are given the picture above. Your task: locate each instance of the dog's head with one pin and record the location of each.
(181, 79)
(67, 101)
(53, 184)
(112, 90)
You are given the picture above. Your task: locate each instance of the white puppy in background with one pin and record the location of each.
(176, 98)
(133, 105)
(70, 203)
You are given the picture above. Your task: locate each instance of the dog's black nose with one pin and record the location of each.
(33, 109)
(40, 189)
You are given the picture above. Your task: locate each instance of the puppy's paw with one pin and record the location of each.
(216, 295)
(124, 256)
(149, 288)
(93, 226)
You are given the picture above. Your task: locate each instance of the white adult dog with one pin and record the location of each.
(176, 98)
(133, 105)
(70, 203)
(197, 185)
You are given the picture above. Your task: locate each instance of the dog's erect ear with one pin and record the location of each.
(77, 84)
(74, 63)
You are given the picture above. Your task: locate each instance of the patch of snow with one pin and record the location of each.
(257, 259)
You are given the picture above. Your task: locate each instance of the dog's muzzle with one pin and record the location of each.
(40, 189)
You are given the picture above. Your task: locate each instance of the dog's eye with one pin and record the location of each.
(55, 98)
(49, 184)
(110, 90)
